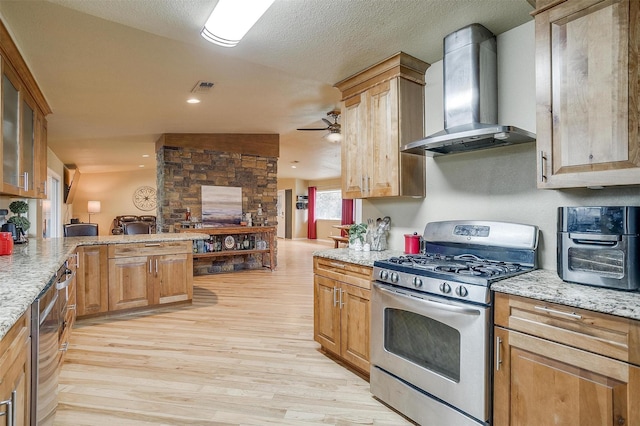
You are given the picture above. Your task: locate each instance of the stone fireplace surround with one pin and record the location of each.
(186, 161)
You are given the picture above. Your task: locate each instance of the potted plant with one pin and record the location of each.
(18, 208)
(357, 234)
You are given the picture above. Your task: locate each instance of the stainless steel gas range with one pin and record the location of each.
(431, 319)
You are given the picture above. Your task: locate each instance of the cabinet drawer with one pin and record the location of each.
(603, 334)
(150, 249)
(346, 272)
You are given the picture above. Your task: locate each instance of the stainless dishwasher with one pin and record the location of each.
(47, 322)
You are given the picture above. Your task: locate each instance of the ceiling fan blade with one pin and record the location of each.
(327, 121)
(323, 128)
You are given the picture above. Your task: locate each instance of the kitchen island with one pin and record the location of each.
(31, 267)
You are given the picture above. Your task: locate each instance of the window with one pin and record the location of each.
(329, 205)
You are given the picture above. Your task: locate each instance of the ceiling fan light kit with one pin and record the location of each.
(232, 19)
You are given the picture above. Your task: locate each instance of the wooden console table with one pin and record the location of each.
(266, 233)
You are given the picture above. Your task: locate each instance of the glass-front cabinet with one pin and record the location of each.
(22, 138)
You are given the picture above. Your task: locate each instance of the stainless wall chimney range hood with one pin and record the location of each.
(470, 98)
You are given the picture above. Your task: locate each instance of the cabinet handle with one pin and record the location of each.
(337, 265)
(341, 302)
(156, 266)
(77, 256)
(150, 266)
(555, 311)
(335, 299)
(542, 159)
(11, 420)
(64, 347)
(152, 245)
(44, 184)
(498, 356)
(26, 181)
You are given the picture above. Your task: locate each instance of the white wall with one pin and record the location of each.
(496, 184)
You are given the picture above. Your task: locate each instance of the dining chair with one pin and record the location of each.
(132, 228)
(81, 230)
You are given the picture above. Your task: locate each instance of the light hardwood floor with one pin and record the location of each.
(242, 354)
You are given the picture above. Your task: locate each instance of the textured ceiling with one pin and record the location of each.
(117, 73)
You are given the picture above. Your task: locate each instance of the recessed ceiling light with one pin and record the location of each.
(141, 165)
(193, 101)
(145, 155)
(293, 164)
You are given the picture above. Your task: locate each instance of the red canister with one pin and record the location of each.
(412, 243)
(6, 243)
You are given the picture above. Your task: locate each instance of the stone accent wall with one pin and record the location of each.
(181, 172)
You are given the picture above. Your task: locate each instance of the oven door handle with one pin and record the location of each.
(598, 239)
(436, 305)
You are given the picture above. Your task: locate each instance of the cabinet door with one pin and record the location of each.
(130, 282)
(10, 131)
(326, 318)
(588, 84)
(92, 286)
(539, 382)
(28, 147)
(15, 375)
(382, 156)
(172, 276)
(354, 151)
(355, 325)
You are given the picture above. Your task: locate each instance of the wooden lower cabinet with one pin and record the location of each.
(92, 280)
(15, 373)
(139, 278)
(541, 377)
(342, 311)
(129, 283)
(174, 277)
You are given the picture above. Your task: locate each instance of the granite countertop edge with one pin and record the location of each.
(364, 258)
(542, 284)
(26, 272)
(545, 285)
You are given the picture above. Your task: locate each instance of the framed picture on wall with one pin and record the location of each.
(221, 205)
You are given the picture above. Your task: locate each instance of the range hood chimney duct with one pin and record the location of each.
(470, 98)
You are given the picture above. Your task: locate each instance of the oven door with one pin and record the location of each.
(435, 344)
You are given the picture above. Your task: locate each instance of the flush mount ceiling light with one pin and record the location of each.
(231, 19)
(193, 101)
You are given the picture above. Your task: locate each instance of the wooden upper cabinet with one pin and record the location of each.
(382, 110)
(588, 93)
(23, 125)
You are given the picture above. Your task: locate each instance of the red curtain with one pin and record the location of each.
(347, 212)
(311, 230)
(347, 215)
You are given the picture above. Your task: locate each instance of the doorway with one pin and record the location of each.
(284, 213)
(52, 207)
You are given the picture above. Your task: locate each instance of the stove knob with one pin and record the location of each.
(445, 288)
(462, 291)
(417, 282)
(394, 277)
(383, 275)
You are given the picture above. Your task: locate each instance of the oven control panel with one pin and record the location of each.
(435, 286)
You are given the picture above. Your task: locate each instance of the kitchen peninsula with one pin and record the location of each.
(31, 266)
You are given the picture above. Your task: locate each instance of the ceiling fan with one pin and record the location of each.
(333, 128)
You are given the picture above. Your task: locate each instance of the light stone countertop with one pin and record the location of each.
(546, 285)
(541, 284)
(364, 258)
(26, 272)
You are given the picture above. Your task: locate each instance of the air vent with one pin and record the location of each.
(202, 87)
